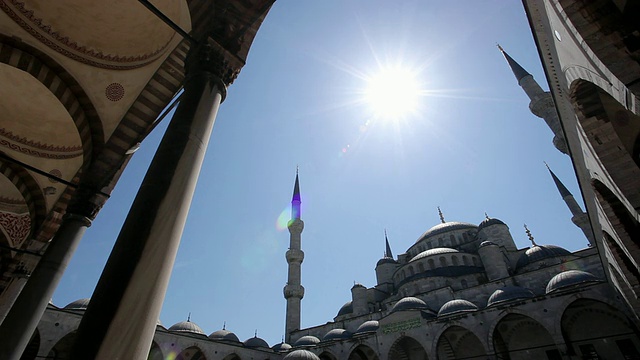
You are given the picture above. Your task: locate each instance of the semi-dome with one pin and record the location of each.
(509, 293)
(368, 326)
(570, 278)
(301, 355)
(224, 335)
(256, 342)
(307, 340)
(457, 306)
(386, 260)
(347, 308)
(409, 303)
(187, 327)
(80, 304)
(283, 346)
(434, 251)
(490, 221)
(336, 334)
(446, 227)
(540, 252)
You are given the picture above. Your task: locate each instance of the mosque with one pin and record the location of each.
(461, 291)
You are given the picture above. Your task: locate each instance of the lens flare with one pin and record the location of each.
(283, 219)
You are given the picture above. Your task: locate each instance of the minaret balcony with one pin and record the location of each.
(293, 291)
(294, 256)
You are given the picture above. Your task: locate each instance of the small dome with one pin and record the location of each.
(368, 326)
(256, 342)
(224, 335)
(80, 304)
(540, 252)
(434, 251)
(446, 227)
(307, 340)
(457, 306)
(409, 303)
(336, 334)
(386, 260)
(301, 355)
(489, 222)
(509, 293)
(283, 346)
(570, 278)
(487, 243)
(347, 308)
(187, 327)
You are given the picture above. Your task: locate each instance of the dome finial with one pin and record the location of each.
(486, 216)
(255, 334)
(441, 216)
(224, 325)
(529, 235)
(189, 317)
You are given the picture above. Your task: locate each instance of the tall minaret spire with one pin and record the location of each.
(541, 104)
(387, 253)
(293, 291)
(579, 218)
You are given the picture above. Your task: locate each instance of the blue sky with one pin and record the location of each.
(472, 148)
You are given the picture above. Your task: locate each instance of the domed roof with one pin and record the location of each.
(187, 327)
(301, 355)
(434, 251)
(224, 335)
(347, 308)
(80, 304)
(307, 340)
(490, 221)
(255, 342)
(457, 306)
(487, 243)
(368, 326)
(540, 252)
(386, 260)
(509, 293)
(409, 303)
(336, 334)
(446, 227)
(570, 278)
(283, 346)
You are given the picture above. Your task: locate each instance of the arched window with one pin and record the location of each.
(404, 275)
(411, 271)
(440, 242)
(475, 262)
(432, 264)
(464, 284)
(421, 267)
(455, 260)
(453, 239)
(443, 261)
(465, 260)
(465, 236)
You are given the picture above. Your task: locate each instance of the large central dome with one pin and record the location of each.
(446, 227)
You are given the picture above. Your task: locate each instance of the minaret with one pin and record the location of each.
(387, 253)
(293, 291)
(579, 218)
(541, 104)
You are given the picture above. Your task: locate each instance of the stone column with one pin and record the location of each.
(24, 315)
(121, 318)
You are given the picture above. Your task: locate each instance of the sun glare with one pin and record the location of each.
(393, 93)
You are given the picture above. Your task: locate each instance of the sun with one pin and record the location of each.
(393, 92)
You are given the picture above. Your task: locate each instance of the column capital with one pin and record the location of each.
(209, 57)
(86, 203)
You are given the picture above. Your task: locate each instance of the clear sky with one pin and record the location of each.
(470, 146)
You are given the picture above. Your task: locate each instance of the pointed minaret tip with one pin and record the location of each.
(499, 47)
(517, 70)
(387, 252)
(564, 192)
(295, 200)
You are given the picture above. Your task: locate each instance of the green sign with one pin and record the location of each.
(401, 326)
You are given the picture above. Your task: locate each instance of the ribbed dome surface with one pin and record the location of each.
(301, 355)
(570, 278)
(509, 293)
(409, 303)
(540, 252)
(368, 326)
(224, 335)
(446, 227)
(347, 308)
(489, 222)
(187, 327)
(457, 306)
(307, 340)
(80, 304)
(336, 334)
(256, 342)
(431, 252)
(283, 346)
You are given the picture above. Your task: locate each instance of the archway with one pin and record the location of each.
(614, 337)
(407, 348)
(459, 343)
(363, 352)
(327, 356)
(232, 357)
(191, 353)
(520, 337)
(62, 349)
(155, 353)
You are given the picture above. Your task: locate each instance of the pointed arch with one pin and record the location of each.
(518, 336)
(62, 349)
(155, 353)
(457, 342)
(191, 353)
(326, 355)
(363, 352)
(407, 348)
